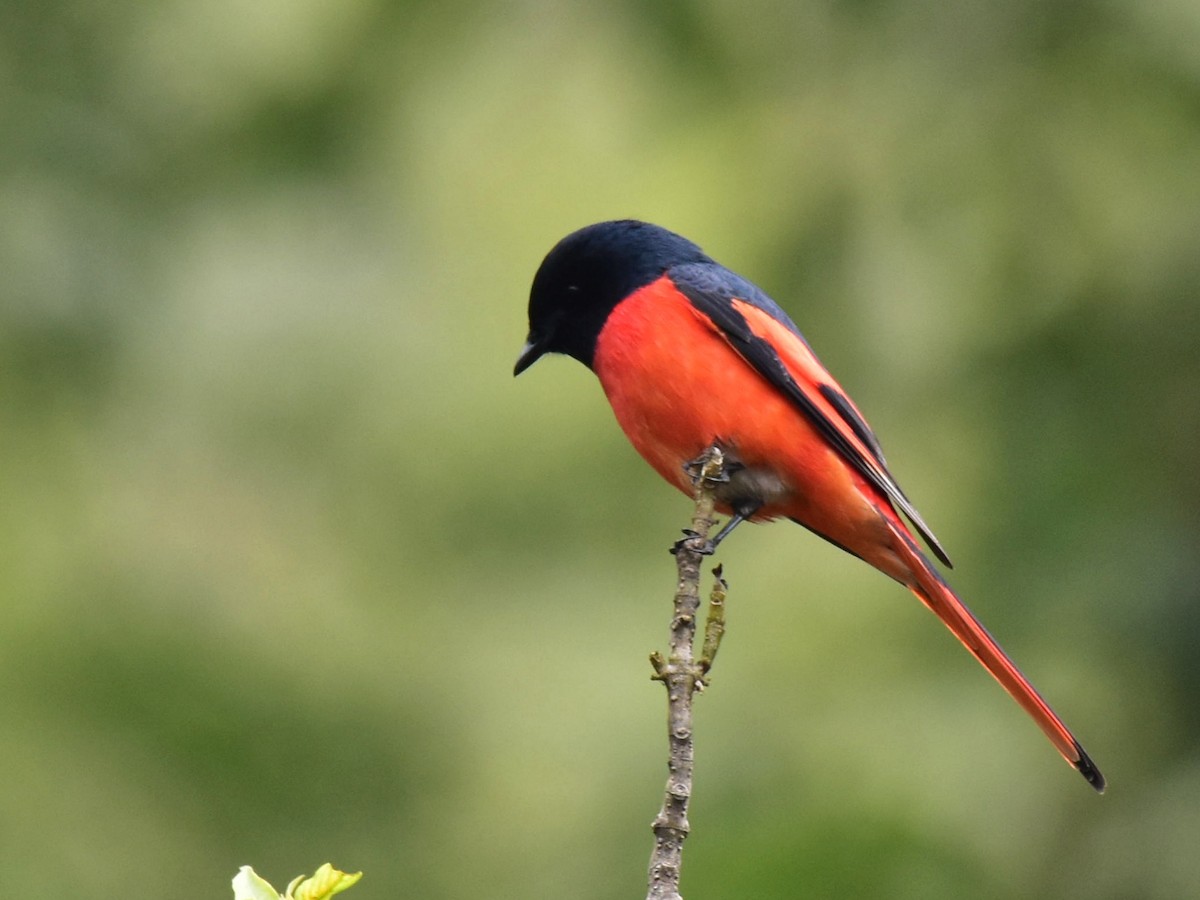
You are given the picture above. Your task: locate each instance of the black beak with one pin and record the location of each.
(530, 353)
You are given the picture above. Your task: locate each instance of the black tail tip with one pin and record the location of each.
(1088, 770)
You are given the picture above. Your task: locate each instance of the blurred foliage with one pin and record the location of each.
(265, 470)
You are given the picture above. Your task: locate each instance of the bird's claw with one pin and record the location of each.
(695, 470)
(708, 548)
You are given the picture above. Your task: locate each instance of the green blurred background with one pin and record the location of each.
(294, 571)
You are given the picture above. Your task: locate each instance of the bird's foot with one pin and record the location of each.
(708, 548)
(696, 468)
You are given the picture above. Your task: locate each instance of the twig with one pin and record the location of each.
(683, 675)
(714, 622)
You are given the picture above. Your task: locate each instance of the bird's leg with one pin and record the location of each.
(741, 513)
(701, 468)
(733, 484)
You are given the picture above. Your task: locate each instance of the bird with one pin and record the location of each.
(692, 355)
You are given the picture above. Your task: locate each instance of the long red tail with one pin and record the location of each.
(936, 594)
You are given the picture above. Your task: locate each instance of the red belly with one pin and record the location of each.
(676, 386)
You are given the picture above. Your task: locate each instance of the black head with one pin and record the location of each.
(586, 275)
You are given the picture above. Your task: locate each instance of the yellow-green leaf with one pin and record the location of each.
(325, 882)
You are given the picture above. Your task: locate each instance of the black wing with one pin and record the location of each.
(712, 289)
